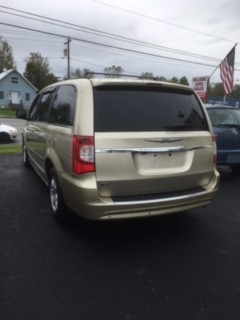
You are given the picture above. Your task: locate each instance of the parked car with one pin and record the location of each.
(115, 148)
(7, 133)
(226, 127)
(21, 114)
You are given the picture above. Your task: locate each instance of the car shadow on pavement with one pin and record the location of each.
(121, 235)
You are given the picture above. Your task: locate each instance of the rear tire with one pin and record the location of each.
(57, 204)
(4, 137)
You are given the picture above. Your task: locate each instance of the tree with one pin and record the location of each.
(85, 73)
(113, 71)
(174, 80)
(236, 91)
(146, 75)
(6, 56)
(76, 74)
(216, 90)
(150, 75)
(161, 78)
(37, 71)
(184, 81)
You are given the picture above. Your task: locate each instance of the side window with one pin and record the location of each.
(33, 109)
(44, 106)
(64, 104)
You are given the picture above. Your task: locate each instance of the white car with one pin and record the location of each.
(7, 133)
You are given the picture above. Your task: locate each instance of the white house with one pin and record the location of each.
(16, 92)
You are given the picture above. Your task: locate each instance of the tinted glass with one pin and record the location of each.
(146, 109)
(63, 107)
(33, 110)
(224, 116)
(44, 106)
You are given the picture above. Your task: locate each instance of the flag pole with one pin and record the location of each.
(213, 72)
(224, 100)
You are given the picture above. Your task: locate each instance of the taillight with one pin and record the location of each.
(83, 154)
(214, 149)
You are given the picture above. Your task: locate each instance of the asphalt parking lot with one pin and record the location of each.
(183, 266)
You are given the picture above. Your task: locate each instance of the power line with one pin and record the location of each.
(162, 21)
(108, 46)
(111, 46)
(67, 25)
(72, 26)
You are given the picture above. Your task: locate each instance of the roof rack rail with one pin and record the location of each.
(113, 75)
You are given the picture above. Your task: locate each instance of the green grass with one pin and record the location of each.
(8, 113)
(12, 148)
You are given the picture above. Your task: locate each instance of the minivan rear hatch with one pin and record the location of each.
(150, 139)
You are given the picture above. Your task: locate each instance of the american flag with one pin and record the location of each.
(227, 71)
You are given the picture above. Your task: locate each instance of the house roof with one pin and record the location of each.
(8, 72)
(4, 74)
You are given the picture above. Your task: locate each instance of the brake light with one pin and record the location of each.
(83, 154)
(214, 149)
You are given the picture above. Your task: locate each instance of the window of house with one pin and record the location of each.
(1, 94)
(27, 96)
(14, 79)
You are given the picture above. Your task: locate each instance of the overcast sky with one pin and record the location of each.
(191, 30)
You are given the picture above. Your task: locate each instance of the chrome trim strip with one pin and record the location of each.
(193, 195)
(152, 150)
(166, 140)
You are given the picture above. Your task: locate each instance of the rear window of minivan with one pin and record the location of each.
(146, 108)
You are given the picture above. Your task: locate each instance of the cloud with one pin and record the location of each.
(203, 28)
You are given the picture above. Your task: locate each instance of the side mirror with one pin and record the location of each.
(21, 114)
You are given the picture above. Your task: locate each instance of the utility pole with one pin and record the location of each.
(67, 54)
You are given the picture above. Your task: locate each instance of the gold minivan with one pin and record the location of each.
(115, 149)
